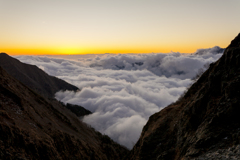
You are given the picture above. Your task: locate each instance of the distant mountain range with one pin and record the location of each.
(33, 77)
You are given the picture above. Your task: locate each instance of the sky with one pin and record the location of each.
(116, 26)
(123, 90)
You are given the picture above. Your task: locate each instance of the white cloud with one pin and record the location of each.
(124, 90)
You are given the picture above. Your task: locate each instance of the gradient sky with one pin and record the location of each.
(116, 26)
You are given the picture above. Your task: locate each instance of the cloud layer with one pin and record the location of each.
(122, 91)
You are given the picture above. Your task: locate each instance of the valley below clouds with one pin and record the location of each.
(123, 90)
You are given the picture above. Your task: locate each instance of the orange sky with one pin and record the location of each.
(136, 26)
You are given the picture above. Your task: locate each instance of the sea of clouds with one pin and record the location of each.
(123, 90)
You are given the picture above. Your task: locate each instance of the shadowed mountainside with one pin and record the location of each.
(32, 127)
(204, 120)
(78, 110)
(33, 77)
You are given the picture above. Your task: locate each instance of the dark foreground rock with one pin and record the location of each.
(33, 77)
(204, 122)
(32, 127)
(79, 111)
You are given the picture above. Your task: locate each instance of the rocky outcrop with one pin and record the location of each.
(204, 121)
(79, 111)
(32, 127)
(33, 77)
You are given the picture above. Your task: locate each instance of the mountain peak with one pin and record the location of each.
(2, 53)
(235, 42)
(6, 56)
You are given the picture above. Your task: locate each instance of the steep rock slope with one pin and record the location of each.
(205, 119)
(79, 111)
(32, 127)
(33, 77)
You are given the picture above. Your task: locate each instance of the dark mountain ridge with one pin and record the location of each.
(39, 81)
(79, 111)
(205, 120)
(33, 77)
(32, 127)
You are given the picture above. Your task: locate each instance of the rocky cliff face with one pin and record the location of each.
(33, 77)
(32, 127)
(204, 120)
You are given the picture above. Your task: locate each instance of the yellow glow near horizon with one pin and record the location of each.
(165, 47)
(112, 50)
(175, 44)
(83, 27)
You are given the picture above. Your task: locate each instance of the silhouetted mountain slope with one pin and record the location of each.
(32, 127)
(78, 110)
(33, 77)
(205, 120)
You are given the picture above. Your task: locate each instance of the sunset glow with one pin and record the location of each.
(93, 27)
